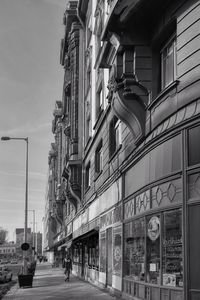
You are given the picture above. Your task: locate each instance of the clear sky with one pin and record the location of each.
(31, 81)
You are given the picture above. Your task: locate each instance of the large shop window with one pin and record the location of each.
(172, 249)
(153, 249)
(135, 249)
(193, 146)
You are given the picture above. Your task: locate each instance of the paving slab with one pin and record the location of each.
(48, 283)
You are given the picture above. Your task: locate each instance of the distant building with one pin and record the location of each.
(7, 250)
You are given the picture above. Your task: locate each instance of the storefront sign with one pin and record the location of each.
(154, 228)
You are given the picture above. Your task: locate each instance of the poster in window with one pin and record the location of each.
(117, 251)
(154, 228)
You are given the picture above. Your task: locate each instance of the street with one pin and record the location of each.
(48, 283)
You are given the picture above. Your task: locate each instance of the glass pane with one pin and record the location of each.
(172, 249)
(169, 69)
(102, 252)
(168, 64)
(153, 249)
(134, 264)
(194, 146)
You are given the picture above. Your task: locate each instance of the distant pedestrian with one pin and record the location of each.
(67, 264)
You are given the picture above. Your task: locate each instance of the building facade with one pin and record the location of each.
(127, 185)
(7, 250)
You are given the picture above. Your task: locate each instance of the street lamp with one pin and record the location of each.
(7, 138)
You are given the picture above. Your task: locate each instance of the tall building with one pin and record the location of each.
(126, 188)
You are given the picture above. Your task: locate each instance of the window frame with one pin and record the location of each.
(115, 127)
(162, 241)
(88, 176)
(99, 158)
(164, 74)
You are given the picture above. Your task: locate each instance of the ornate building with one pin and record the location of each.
(127, 164)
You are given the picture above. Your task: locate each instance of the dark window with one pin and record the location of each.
(99, 102)
(99, 158)
(194, 146)
(87, 176)
(115, 135)
(168, 63)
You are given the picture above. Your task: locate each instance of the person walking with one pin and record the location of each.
(68, 266)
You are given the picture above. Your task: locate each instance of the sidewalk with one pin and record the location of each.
(48, 283)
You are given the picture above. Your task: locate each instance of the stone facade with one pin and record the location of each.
(127, 166)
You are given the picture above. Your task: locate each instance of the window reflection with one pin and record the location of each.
(135, 249)
(153, 249)
(193, 145)
(172, 249)
(143, 249)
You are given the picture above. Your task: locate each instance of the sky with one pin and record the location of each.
(31, 80)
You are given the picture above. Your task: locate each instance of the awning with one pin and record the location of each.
(94, 231)
(67, 244)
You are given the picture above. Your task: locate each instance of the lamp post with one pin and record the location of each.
(33, 210)
(6, 138)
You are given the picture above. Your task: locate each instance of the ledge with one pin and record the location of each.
(163, 93)
(87, 189)
(97, 175)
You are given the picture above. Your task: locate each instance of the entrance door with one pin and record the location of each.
(194, 252)
(109, 257)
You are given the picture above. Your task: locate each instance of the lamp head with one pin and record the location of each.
(5, 138)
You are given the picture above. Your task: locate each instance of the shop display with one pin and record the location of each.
(172, 249)
(144, 248)
(153, 249)
(135, 249)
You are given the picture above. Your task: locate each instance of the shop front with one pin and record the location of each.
(161, 215)
(153, 236)
(86, 256)
(110, 250)
(85, 248)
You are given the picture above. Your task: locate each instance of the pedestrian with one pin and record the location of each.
(67, 264)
